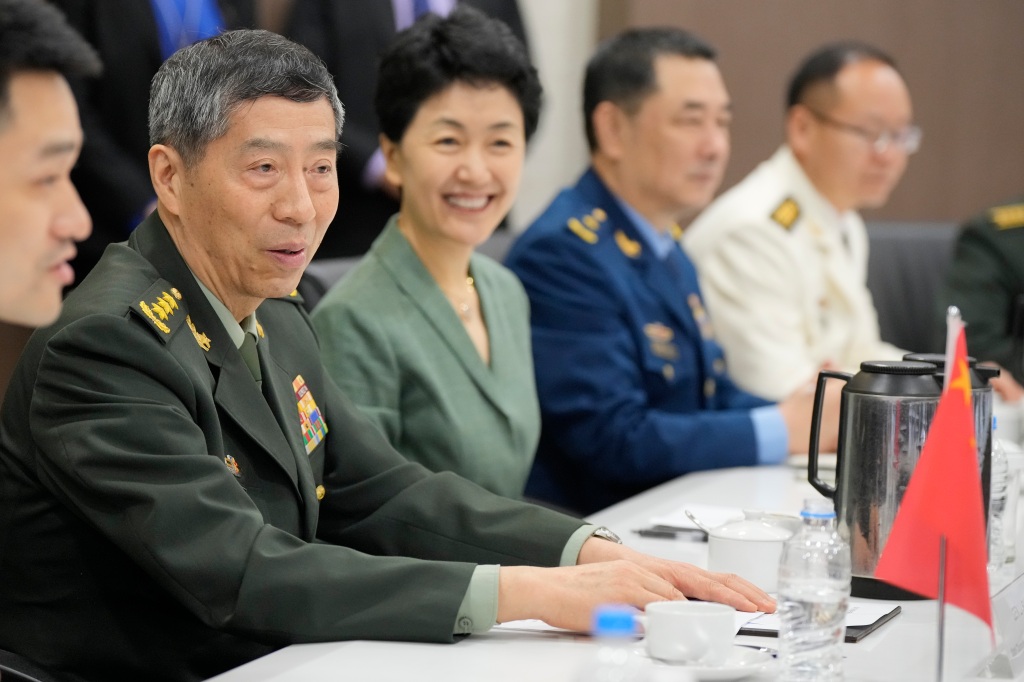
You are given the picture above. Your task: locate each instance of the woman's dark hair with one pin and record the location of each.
(467, 46)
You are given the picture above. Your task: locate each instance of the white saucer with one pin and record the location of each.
(742, 662)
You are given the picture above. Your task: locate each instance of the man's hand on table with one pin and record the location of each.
(611, 573)
(797, 409)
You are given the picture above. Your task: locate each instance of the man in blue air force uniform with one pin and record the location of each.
(633, 386)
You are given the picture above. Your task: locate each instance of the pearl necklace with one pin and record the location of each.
(463, 306)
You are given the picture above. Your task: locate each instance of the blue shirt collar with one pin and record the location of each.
(661, 243)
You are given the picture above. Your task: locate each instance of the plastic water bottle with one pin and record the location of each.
(616, 659)
(814, 592)
(1015, 459)
(997, 505)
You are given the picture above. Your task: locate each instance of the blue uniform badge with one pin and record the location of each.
(312, 423)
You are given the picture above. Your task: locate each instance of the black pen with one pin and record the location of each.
(691, 534)
(655, 533)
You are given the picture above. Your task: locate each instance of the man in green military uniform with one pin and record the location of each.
(182, 487)
(986, 281)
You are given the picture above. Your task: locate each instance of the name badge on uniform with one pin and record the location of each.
(314, 428)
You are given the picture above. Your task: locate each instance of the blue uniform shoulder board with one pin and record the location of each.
(162, 307)
(586, 227)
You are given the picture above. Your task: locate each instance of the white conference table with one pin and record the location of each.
(903, 649)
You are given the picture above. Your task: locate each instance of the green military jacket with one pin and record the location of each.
(986, 281)
(160, 518)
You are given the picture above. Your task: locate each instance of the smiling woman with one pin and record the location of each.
(430, 339)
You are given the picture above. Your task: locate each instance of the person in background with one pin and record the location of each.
(41, 215)
(430, 340)
(185, 489)
(986, 281)
(632, 384)
(783, 255)
(133, 37)
(350, 37)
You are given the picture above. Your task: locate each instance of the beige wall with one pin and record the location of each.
(562, 36)
(963, 61)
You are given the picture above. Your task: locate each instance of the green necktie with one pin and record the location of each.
(251, 357)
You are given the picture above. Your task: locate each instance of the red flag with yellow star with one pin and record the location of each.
(944, 498)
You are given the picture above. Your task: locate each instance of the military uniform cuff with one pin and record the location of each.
(571, 553)
(479, 609)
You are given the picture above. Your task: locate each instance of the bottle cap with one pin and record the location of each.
(614, 620)
(818, 508)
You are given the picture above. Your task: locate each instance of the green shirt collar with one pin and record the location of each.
(235, 330)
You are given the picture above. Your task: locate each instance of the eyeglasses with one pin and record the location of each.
(907, 140)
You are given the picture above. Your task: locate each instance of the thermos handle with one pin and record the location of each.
(812, 447)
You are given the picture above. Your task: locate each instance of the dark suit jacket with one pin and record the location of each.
(112, 174)
(632, 385)
(161, 519)
(351, 37)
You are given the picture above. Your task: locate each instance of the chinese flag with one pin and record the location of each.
(944, 498)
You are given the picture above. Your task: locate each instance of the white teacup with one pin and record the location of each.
(689, 631)
(751, 547)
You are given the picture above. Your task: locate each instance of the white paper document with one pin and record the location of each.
(856, 616)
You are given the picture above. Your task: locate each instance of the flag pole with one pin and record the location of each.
(953, 326)
(942, 607)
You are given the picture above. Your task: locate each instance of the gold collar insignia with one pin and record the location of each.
(202, 339)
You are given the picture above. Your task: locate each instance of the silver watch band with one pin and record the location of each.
(605, 534)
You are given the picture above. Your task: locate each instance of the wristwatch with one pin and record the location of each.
(606, 534)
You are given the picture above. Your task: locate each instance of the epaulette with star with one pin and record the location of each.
(162, 307)
(1008, 217)
(786, 213)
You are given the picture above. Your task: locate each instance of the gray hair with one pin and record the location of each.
(198, 88)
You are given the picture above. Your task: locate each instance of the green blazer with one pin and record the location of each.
(160, 518)
(397, 348)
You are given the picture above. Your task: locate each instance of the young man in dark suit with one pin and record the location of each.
(41, 216)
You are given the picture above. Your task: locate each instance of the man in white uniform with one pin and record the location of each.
(782, 256)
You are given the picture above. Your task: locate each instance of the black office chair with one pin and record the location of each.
(15, 668)
(907, 266)
(321, 276)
